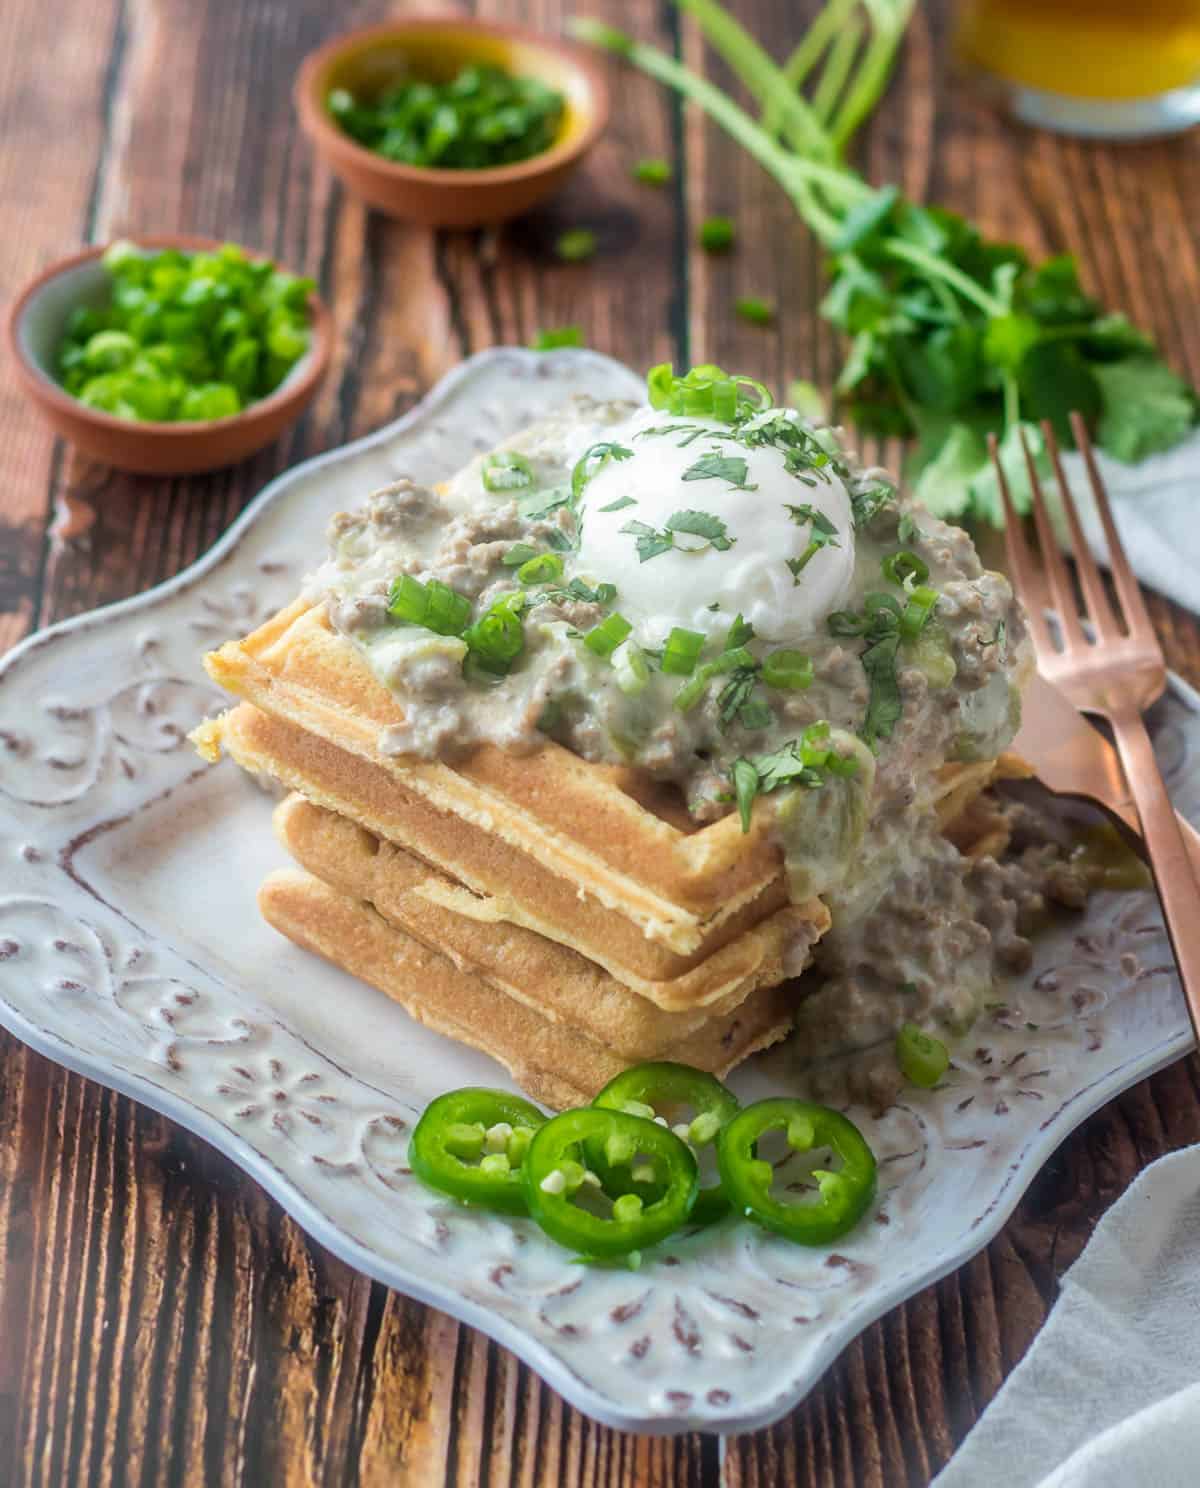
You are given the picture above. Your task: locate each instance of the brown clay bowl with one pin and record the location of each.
(438, 47)
(36, 322)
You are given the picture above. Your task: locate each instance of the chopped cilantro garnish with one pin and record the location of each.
(866, 505)
(690, 432)
(651, 542)
(907, 530)
(619, 504)
(883, 705)
(716, 466)
(519, 553)
(590, 462)
(539, 504)
(821, 534)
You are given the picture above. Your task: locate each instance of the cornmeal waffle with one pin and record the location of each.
(583, 853)
(554, 1061)
(557, 982)
(363, 793)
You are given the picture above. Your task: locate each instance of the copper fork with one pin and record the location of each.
(1114, 671)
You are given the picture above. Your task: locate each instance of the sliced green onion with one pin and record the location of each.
(875, 602)
(544, 568)
(652, 172)
(556, 338)
(498, 637)
(904, 565)
(603, 639)
(922, 601)
(755, 311)
(682, 651)
(448, 612)
(630, 668)
(576, 245)
(506, 470)
(660, 382)
(792, 670)
(434, 605)
(716, 235)
(734, 659)
(739, 633)
(705, 391)
(923, 1060)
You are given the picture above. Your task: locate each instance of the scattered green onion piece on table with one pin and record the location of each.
(460, 1135)
(905, 565)
(652, 172)
(790, 670)
(923, 1060)
(755, 311)
(717, 235)
(844, 1195)
(603, 639)
(557, 338)
(544, 568)
(506, 470)
(576, 245)
(682, 651)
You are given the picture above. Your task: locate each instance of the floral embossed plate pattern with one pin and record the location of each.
(131, 951)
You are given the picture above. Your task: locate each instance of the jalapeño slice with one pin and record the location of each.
(662, 1088)
(472, 1143)
(597, 1219)
(843, 1197)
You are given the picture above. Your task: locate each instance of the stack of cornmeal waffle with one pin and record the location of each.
(566, 918)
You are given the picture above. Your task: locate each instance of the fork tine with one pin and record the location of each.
(1020, 560)
(1129, 591)
(1061, 590)
(1099, 610)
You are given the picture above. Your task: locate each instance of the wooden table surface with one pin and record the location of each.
(161, 1320)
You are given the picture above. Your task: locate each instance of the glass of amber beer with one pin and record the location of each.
(1111, 68)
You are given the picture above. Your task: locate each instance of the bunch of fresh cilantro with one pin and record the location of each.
(951, 336)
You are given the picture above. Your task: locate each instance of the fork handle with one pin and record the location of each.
(1170, 861)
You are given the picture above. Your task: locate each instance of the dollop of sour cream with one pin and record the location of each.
(695, 584)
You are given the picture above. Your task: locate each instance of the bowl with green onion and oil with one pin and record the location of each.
(449, 121)
(169, 355)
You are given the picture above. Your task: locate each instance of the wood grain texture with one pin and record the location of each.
(161, 1321)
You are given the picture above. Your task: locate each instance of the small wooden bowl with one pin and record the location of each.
(36, 324)
(438, 47)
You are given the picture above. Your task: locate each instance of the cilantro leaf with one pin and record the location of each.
(538, 504)
(745, 785)
(701, 524)
(884, 705)
(735, 694)
(821, 534)
(944, 485)
(1146, 408)
(649, 541)
(716, 466)
(866, 505)
(619, 504)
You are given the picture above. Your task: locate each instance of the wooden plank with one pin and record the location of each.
(49, 180)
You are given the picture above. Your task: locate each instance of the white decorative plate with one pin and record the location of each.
(131, 951)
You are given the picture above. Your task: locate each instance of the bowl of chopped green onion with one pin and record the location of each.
(449, 121)
(169, 355)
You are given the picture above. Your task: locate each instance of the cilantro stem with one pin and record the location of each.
(1012, 401)
(792, 172)
(763, 78)
(837, 69)
(890, 19)
(815, 40)
(938, 268)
